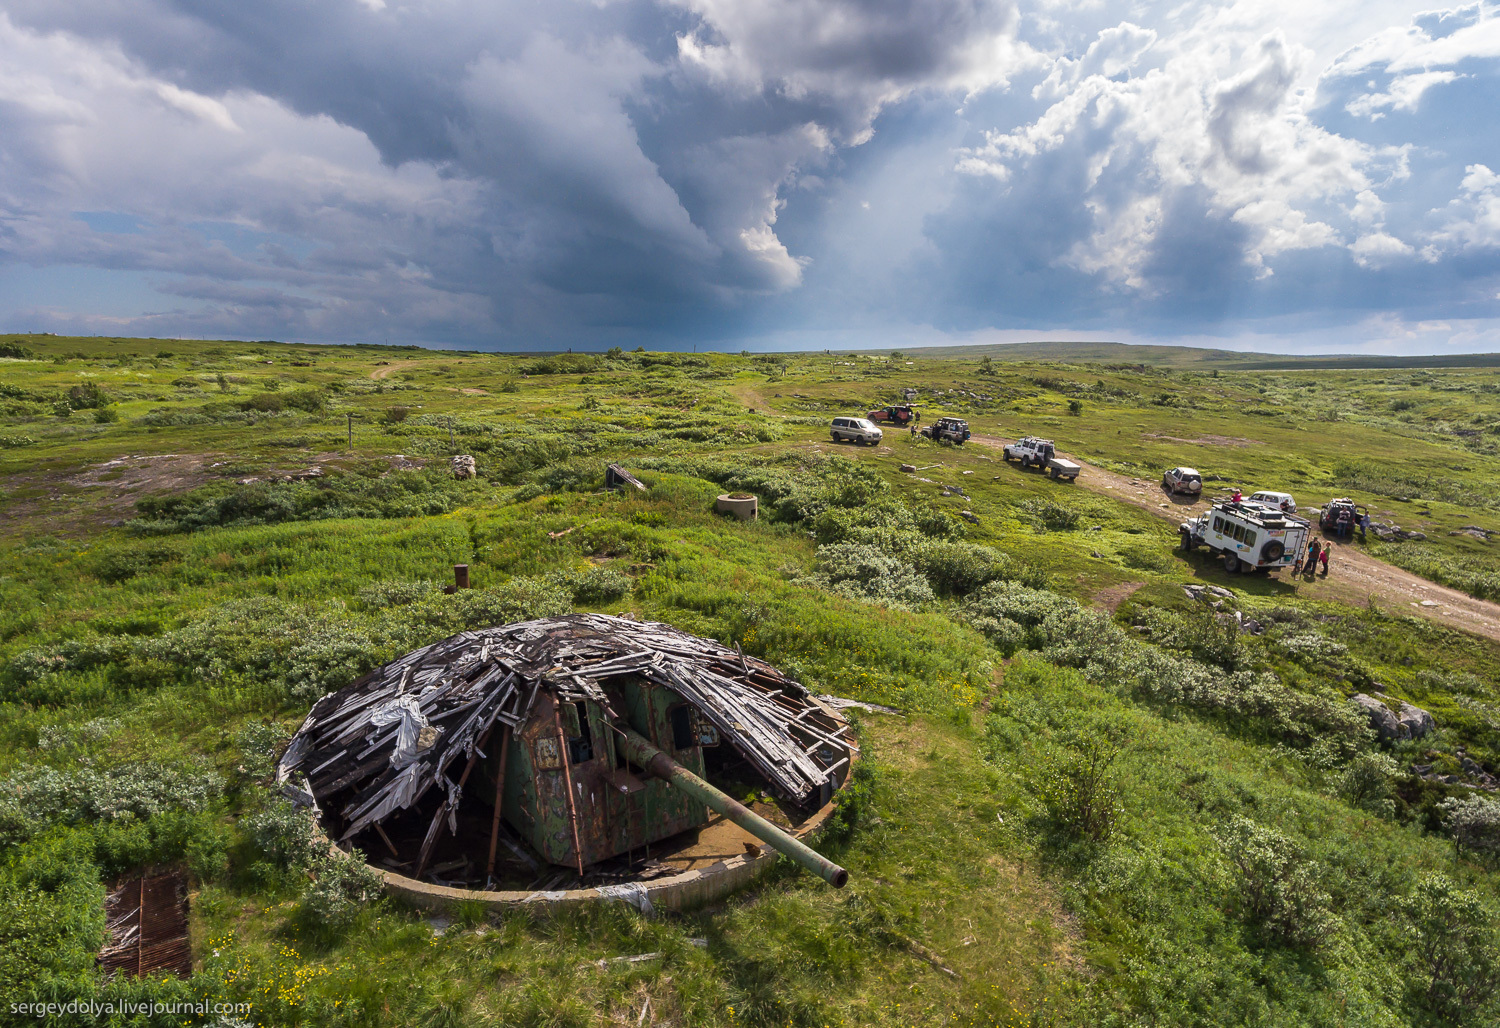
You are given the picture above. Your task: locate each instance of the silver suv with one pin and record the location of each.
(1182, 480)
(855, 430)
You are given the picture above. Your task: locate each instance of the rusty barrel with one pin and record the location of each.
(643, 754)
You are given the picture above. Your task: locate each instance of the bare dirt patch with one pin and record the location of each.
(1110, 599)
(102, 494)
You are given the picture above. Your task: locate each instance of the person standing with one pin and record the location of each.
(1364, 526)
(1314, 548)
(1323, 559)
(1238, 496)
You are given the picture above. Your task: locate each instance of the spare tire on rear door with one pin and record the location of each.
(1272, 551)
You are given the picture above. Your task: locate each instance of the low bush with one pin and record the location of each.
(395, 495)
(1277, 884)
(345, 886)
(594, 585)
(1474, 823)
(1368, 780)
(1078, 788)
(34, 799)
(863, 572)
(1454, 952)
(1049, 515)
(299, 652)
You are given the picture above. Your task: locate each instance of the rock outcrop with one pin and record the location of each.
(1382, 718)
(1412, 723)
(1415, 720)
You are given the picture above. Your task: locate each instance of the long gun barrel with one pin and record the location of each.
(643, 754)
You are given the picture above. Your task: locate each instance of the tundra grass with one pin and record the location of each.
(957, 858)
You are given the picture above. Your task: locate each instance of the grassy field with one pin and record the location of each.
(1103, 804)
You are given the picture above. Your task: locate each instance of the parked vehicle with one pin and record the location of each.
(954, 430)
(1182, 480)
(1281, 501)
(898, 414)
(1249, 536)
(1344, 508)
(855, 430)
(1040, 453)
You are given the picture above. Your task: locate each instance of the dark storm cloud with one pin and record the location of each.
(566, 173)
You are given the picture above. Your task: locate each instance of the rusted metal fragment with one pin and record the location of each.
(147, 918)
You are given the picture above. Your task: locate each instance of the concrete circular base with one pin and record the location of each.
(746, 509)
(679, 892)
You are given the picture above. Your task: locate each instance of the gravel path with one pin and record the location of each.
(1354, 577)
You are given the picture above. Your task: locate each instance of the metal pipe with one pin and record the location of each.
(644, 755)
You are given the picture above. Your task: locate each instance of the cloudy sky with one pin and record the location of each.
(1272, 174)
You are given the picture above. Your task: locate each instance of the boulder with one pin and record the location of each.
(1219, 590)
(1416, 721)
(908, 468)
(464, 466)
(1382, 719)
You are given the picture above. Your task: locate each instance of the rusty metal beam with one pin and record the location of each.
(562, 745)
(505, 733)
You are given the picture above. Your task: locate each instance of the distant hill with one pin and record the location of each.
(1183, 356)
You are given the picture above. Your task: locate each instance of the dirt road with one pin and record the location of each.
(1354, 577)
(390, 369)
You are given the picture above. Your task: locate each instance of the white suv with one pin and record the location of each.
(855, 430)
(1281, 501)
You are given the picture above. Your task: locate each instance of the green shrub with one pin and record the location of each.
(398, 494)
(1049, 515)
(1078, 786)
(958, 569)
(1452, 951)
(259, 742)
(863, 572)
(86, 396)
(395, 593)
(344, 887)
(283, 835)
(594, 585)
(1367, 781)
(1474, 823)
(16, 350)
(1277, 884)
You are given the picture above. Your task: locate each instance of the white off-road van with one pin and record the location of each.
(1247, 536)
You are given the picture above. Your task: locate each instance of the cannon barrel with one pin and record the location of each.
(643, 754)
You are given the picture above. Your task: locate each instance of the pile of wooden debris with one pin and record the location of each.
(380, 745)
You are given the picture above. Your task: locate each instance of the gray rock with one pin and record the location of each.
(1470, 767)
(1416, 721)
(1219, 590)
(908, 467)
(1382, 719)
